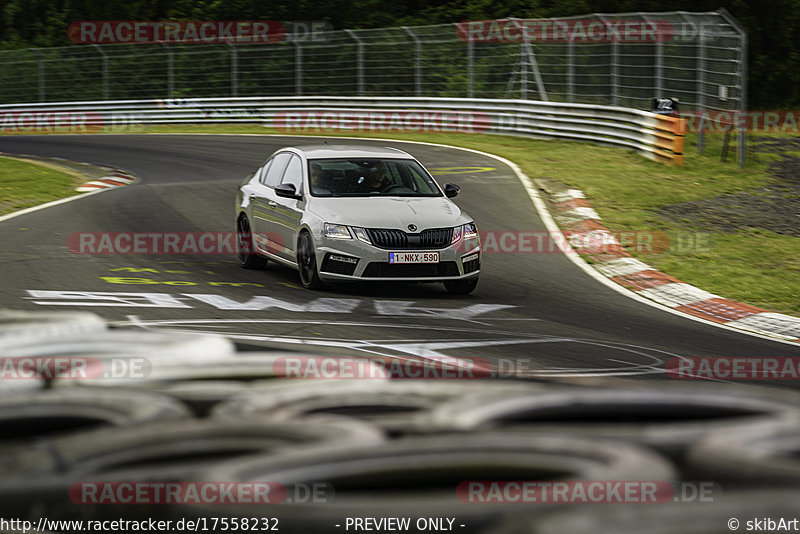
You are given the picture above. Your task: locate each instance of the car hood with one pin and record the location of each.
(389, 212)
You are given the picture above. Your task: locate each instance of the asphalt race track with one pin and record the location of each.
(533, 313)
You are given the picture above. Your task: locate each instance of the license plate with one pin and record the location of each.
(413, 257)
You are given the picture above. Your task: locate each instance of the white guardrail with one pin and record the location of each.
(657, 137)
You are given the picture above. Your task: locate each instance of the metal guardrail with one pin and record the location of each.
(657, 137)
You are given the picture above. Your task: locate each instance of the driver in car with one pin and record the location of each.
(317, 186)
(376, 181)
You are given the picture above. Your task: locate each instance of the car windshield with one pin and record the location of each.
(370, 177)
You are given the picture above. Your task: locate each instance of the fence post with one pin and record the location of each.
(700, 104)
(742, 82)
(234, 69)
(523, 73)
(528, 58)
(359, 61)
(41, 73)
(417, 62)
(298, 68)
(658, 88)
(659, 70)
(571, 71)
(614, 65)
(470, 68)
(743, 92)
(701, 82)
(170, 71)
(104, 60)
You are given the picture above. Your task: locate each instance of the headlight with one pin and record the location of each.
(457, 231)
(470, 231)
(361, 235)
(337, 231)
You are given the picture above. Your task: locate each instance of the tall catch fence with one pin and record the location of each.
(600, 59)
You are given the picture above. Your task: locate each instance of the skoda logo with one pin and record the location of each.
(412, 227)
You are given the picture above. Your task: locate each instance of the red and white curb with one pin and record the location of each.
(582, 223)
(115, 178)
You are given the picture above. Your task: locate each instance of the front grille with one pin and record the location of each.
(330, 265)
(398, 239)
(384, 269)
(472, 265)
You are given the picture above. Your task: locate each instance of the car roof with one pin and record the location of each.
(349, 151)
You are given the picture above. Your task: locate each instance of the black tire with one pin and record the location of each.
(307, 262)
(765, 453)
(44, 475)
(461, 287)
(26, 420)
(61, 411)
(666, 418)
(400, 407)
(245, 247)
(418, 476)
(162, 450)
(203, 383)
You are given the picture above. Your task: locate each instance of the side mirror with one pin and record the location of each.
(451, 190)
(287, 191)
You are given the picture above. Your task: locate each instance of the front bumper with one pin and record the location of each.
(354, 260)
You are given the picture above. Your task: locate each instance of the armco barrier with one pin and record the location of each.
(657, 137)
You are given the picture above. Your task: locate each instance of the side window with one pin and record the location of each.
(275, 171)
(261, 174)
(294, 174)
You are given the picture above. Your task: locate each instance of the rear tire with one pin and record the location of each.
(245, 247)
(307, 262)
(461, 287)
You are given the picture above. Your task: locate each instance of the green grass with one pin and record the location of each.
(756, 267)
(24, 184)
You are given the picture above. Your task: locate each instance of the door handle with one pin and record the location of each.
(273, 204)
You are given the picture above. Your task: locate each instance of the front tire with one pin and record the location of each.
(245, 247)
(461, 287)
(307, 262)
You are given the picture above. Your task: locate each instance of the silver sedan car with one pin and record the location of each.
(355, 213)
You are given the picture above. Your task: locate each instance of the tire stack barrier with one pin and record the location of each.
(400, 407)
(384, 447)
(24, 328)
(203, 383)
(766, 452)
(416, 476)
(46, 474)
(668, 418)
